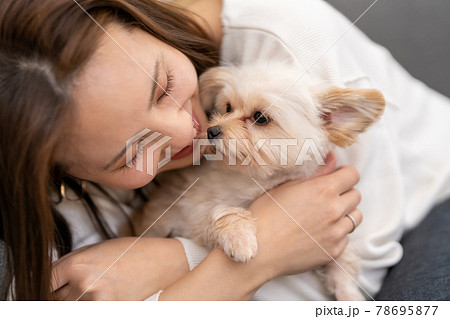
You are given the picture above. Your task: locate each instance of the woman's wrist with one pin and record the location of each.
(247, 277)
(218, 278)
(166, 260)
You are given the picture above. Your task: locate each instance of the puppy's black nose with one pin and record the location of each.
(214, 132)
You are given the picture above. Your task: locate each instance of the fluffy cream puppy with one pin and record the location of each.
(264, 135)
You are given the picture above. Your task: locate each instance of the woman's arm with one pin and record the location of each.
(139, 269)
(150, 265)
(217, 277)
(154, 264)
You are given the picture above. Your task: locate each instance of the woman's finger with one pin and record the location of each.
(69, 293)
(61, 268)
(58, 279)
(65, 293)
(342, 180)
(350, 200)
(349, 222)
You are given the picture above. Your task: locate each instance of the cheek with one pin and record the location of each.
(142, 173)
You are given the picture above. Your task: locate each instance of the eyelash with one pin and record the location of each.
(168, 87)
(133, 161)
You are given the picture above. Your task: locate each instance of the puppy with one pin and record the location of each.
(265, 136)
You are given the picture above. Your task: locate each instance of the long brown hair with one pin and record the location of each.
(43, 46)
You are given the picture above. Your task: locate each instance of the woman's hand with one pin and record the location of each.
(302, 225)
(150, 265)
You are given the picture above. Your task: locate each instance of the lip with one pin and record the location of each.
(184, 152)
(188, 149)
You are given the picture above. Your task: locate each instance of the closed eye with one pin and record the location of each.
(169, 87)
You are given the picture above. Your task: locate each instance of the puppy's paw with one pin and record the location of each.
(342, 283)
(240, 247)
(235, 233)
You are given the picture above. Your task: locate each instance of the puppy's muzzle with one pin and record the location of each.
(214, 132)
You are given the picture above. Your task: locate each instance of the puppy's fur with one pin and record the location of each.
(214, 211)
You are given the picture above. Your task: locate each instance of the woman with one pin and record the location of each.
(71, 97)
(50, 55)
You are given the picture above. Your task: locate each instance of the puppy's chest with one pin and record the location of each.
(217, 185)
(194, 193)
(212, 185)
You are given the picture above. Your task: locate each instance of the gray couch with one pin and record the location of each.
(417, 32)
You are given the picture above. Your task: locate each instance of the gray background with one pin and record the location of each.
(417, 32)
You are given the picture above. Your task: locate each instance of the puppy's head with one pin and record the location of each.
(262, 128)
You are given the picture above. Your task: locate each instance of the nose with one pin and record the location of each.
(214, 132)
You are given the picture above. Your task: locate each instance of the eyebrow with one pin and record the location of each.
(152, 96)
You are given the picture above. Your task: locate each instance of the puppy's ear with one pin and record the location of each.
(348, 112)
(210, 84)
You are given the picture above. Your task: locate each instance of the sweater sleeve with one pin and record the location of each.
(194, 252)
(194, 255)
(154, 297)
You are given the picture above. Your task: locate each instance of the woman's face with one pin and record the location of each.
(116, 99)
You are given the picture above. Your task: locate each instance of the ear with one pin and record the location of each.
(349, 112)
(210, 84)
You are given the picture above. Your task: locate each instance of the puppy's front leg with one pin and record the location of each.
(233, 230)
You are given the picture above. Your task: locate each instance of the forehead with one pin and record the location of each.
(115, 77)
(122, 49)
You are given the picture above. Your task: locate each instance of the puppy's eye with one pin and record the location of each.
(260, 119)
(228, 107)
